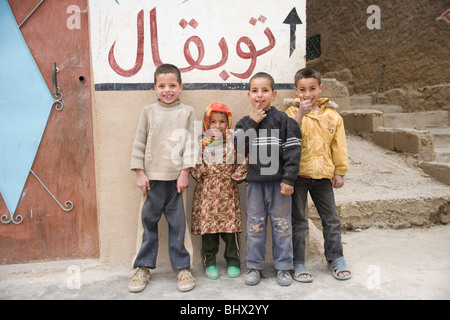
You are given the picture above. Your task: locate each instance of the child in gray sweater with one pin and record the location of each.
(163, 153)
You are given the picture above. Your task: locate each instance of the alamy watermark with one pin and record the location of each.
(262, 146)
(73, 281)
(374, 20)
(74, 20)
(374, 279)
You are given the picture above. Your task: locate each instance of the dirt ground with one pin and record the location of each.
(387, 190)
(407, 264)
(402, 264)
(376, 173)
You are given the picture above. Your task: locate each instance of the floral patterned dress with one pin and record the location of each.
(216, 206)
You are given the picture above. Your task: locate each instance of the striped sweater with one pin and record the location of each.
(273, 147)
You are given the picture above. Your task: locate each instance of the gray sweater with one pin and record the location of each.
(164, 143)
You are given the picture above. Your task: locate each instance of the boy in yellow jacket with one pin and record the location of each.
(322, 167)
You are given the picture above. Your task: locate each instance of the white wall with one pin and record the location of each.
(118, 99)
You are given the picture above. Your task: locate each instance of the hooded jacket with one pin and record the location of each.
(324, 145)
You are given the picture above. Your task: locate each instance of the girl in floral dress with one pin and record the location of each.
(216, 211)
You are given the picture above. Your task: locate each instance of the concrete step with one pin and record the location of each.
(361, 100)
(442, 155)
(439, 170)
(383, 190)
(417, 120)
(411, 141)
(336, 91)
(358, 102)
(441, 137)
(385, 108)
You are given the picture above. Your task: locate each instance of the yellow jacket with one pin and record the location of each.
(324, 146)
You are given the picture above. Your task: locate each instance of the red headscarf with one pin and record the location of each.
(215, 107)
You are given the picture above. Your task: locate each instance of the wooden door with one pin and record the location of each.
(63, 168)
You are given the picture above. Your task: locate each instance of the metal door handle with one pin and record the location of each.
(55, 70)
(55, 89)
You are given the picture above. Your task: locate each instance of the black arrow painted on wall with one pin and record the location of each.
(293, 20)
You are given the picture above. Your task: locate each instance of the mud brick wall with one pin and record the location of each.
(411, 41)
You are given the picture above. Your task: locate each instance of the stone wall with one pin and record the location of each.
(412, 43)
(427, 98)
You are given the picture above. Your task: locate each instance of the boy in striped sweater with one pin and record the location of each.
(272, 141)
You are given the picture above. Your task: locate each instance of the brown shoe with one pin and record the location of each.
(139, 280)
(186, 281)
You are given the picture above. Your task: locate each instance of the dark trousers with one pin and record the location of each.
(210, 247)
(322, 195)
(163, 197)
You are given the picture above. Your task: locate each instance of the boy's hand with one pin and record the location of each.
(338, 181)
(286, 189)
(142, 181)
(258, 115)
(305, 106)
(183, 180)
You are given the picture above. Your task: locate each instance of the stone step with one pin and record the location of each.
(412, 141)
(361, 100)
(439, 170)
(393, 213)
(417, 120)
(382, 190)
(358, 102)
(442, 155)
(337, 92)
(441, 137)
(385, 108)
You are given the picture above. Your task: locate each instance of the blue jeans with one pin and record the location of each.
(163, 197)
(265, 200)
(322, 195)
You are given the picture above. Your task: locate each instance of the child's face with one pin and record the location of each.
(167, 87)
(261, 94)
(218, 121)
(308, 89)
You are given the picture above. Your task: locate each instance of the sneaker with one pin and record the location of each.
(186, 281)
(212, 273)
(284, 278)
(139, 280)
(233, 272)
(252, 278)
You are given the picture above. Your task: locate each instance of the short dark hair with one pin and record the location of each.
(168, 68)
(264, 75)
(307, 73)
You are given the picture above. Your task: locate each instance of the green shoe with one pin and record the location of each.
(212, 273)
(233, 272)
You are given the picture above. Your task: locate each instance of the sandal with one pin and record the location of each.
(300, 269)
(338, 266)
